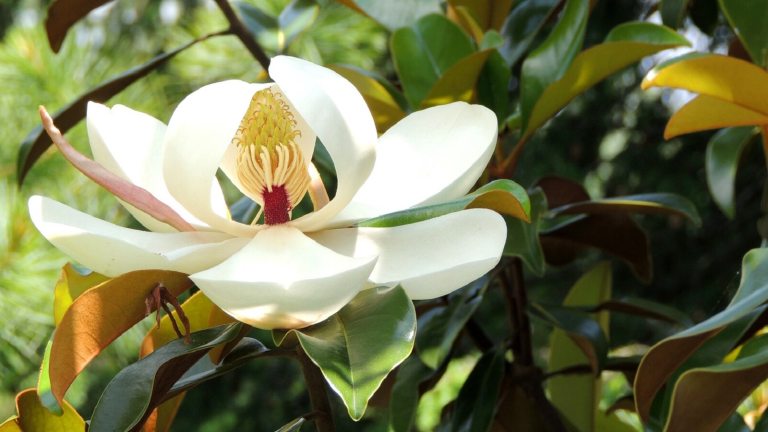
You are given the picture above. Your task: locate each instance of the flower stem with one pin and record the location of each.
(517, 300)
(318, 396)
(239, 29)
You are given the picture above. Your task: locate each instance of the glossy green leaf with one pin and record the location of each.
(405, 394)
(577, 396)
(503, 196)
(735, 423)
(624, 45)
(724, 152)
(381, 99)
(549, 62)
(457, 83)
(394, 14)
(298, 16)
(44, 391)
(524, 23)
(523, 237)
(581, 328)
(762, 424)
(358, 347)
(37, 141)
(439, 327)
(493, 86)
(422, 53)
(660, 362)
(138, 388)
(750, 23)
(673, 12)
(477, 400)
(652, 203)
(704, 398)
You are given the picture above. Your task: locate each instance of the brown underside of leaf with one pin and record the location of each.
(99, 316)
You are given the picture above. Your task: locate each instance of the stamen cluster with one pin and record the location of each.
(269, 158)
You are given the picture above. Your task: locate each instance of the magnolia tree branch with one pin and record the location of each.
(317, 395)
(242, 32)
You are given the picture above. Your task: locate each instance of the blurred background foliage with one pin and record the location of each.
(609, 139)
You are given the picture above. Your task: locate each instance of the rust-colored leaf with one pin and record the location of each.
(616, 234)
(62, 14)
(99, 316)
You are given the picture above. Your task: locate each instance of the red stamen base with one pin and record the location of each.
(276, 206)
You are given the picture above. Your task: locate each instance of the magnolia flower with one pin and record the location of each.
(289, 273)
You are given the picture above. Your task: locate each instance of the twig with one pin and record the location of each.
(242, 32)
(318, 397)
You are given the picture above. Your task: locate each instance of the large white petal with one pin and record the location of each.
(337, 113)
(429, 258)
(199, 133)
(283, 279)
(431, 156)
(129, 144)
(112, 250)
(305, 141)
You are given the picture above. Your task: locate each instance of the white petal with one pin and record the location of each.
(283, 279)
(198, 135)
(431, 156)
(429, 258)
(306, 143)
(336, 111)
(112, 250)
(129, 143)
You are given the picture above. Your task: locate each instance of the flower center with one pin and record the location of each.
(270, 165)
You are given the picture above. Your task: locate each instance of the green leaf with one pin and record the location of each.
(394, 14)
(38, 141)
(33, 416)
(493, 86)
(523, 237)
(72, 282)
(503, 196)
(263, 26)
(624, 45)
(665, 357)
(652, 203)
(62, 14)
(549, 62)
(439, 327)
(704, 398)
(405, 394)
(477, 400)
(138, 388)
(523, 25)
(750, 24)
(358, 347)
(44, 390)
(581, 328)
(298, 16)
(422, 53)
(673, 12)
(577, 396)
(644, 308)
(457, 83)
(724, 151)
(292, 426)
